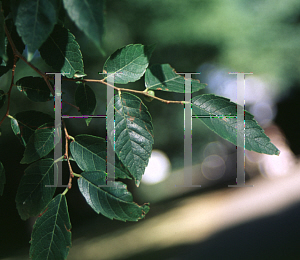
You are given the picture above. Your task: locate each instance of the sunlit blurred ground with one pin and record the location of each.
(197, 218)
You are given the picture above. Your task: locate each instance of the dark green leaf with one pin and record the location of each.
(130, 62)
(35, 20)
(89, 17)
(35, 89)
(133, 133)
(2, 37)
(86, 100)
(25, 123)
(7, 65)
(62, 52)
(32, 195)
(113, 202)
(90, 154)
(219, 107)
(163, 77)
(40, 144)
(2, 178)
(51, 235)
(2, 98)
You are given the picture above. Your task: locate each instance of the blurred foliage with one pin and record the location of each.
(245, 36)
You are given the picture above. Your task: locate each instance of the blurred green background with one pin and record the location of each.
(212, 37)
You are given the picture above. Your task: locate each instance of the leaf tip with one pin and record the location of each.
(23, 161)
(4, 57)
(30, 56)
(137, 183)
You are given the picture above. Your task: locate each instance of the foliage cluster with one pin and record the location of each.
(38, 25)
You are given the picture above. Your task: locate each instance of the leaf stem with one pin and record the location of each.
(67, 156)
(59, 159)
(17, 55)
(78, 109)
(65, 191)
(76, 175)
(102, 81)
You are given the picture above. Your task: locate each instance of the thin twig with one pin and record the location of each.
(67, 156)
(78, 109)
(102, 81)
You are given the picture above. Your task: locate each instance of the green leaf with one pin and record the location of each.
(2, 37)
(130, 62)
(88, 15)
(86, 100)
(62, 52)
(26, 122)
(2, 98)
(7, 65)
(35, 20)
(163, 77)
(35, 88)
(90, 154)
(217, 108)
(113, 202)
(51, 235)
(40, 144)
(33, 195)
(2, 178)
(133, 133)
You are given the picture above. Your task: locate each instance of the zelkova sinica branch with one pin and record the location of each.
(102, 81)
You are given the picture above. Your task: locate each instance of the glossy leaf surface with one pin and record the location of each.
(41, 143)
(88, 15)
(62, 52)
(218, 108)
(33, 195)
(163, 77)
(35, 20)
(133, 133)
(113, 202)
(129, 63)
(90, 154)
(51, 235)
